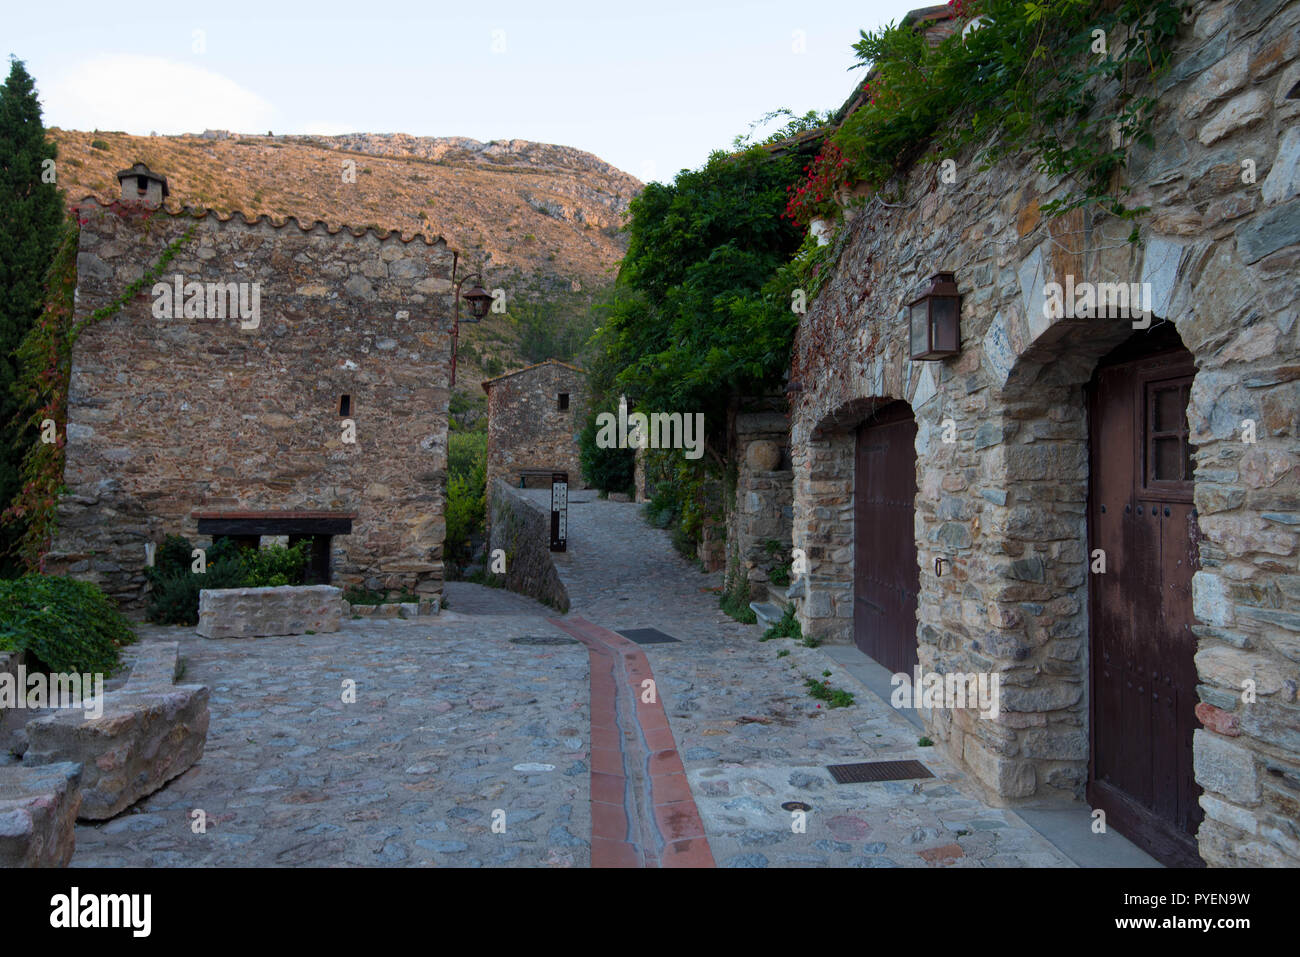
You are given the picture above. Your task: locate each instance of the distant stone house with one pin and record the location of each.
(1106, 517)
(535, 416)
(277, 380)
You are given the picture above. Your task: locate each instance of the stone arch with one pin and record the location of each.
(823, 516)
(1035, 558)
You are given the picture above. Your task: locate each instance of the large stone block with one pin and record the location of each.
(38, 812)
(1225, 767)
(1233, 667)
(144, 738)
(1056, 745)
(1006, 777)
(262, 612)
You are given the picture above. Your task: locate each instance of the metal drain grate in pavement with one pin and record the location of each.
(544, 640)
(647, 636)
(878, 771)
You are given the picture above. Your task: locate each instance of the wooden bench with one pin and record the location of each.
(526, 474)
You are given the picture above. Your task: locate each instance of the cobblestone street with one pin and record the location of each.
(488, 708)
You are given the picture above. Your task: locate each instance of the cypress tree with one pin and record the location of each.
(31, 215)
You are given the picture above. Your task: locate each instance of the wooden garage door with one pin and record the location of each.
(885, 575)
(1143, 691)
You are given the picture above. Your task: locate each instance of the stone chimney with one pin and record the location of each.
(141, 185)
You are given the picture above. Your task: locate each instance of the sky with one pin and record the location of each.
(650, 87)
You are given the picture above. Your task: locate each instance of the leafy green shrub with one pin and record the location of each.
(1028, 80)
(466, 452)
(779, 573)
(467, 413)
(174, 587)
(684, 543)
(610, 470)
(466, 494)
(787, 627)
(174, 596)
(273, 566)
(735, 591)
(174, 555)
(738, 608)
(66, 625)
(98, 145)
(660, 511)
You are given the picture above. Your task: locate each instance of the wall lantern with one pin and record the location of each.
(480, 301)
(935, 319)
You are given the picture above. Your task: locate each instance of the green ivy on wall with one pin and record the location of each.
(1070, 82)
(45, 359)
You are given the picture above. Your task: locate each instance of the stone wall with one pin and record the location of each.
(168, 416)
(150, 731)
(1005, 502)
(762, 511)
(526, 427)
(523, 531)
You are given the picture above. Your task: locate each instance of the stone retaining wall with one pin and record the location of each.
(150, 731)
(762, 511)
(523, 531)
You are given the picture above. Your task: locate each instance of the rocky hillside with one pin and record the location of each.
(541, 215)
(544, 218)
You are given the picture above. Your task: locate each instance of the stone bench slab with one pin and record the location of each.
(264, 612)
(152, 663)
(146, 736)
(38, 812)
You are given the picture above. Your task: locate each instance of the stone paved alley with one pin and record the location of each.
(487, 708)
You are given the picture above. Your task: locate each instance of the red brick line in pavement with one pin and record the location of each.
(630, 825)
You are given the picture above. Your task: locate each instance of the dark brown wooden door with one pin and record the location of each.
(885, 574)
(1143, 681)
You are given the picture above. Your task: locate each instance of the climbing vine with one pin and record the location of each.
(1024, 76)
(45, 363)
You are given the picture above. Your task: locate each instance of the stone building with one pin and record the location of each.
(758, 526)
(535, 416)
(953, 511)
(276, 380)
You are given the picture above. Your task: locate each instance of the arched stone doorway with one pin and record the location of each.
(826, 517)
(1142, 541)
(886, 579)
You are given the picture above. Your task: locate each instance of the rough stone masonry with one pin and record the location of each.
(534, 418)
(1005, 502)
(331, 400)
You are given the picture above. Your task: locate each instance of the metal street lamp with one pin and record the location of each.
(480, 301)
(936, 319)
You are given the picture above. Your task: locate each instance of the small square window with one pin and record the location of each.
(1168, 453)
(564, 402)
(345, 405)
